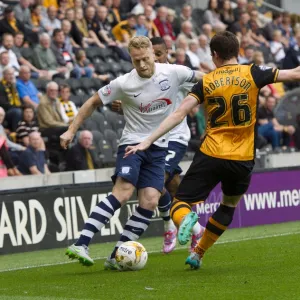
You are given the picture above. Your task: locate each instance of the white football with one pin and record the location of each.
(131, 256)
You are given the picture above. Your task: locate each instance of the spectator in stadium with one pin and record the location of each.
(256, 31)
(241, 27)
(187, 31)
(49, 118)
(142, 27)
(9, 24)
(141, 7)
(254, 17)
(36, 18)
(69, 44)
(7, 167)
(9, 99)
(241, 7)
(150, 23)
(33, 159)
(114, 11)
(248, 57)
(11, 145)
(44, 58)
(78, 4)
(227, 14)
(50, 22)
(212, 16)
(272, 26)
(104, 33)
(82, 67)
(93, 25)
(81, 156)
(68, 109)
(89, 38)
(7, 45)
(18, 45)
(269, 126)
(64, 58)
(27, 91)
(125, 30)
(64, 5)
(258, 58)
(204, 54)
(164, 27)
(75, 33)
(286, 28)
(192, 53)
(277, 47)
(4, 62)
(185, 15)
(22, 13)
(182, 58)
(292, 58)
(208, 31)
(27, 125)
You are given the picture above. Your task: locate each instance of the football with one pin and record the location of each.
(131, 256)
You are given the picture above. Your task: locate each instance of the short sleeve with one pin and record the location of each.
(21, 90)
(184, 74)
(263, 75)
(110, 92)
(197, 91)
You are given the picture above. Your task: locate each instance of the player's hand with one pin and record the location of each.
(140, 147)
(66, 139)
(117, 106)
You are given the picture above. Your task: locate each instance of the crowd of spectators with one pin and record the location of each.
(49, 47)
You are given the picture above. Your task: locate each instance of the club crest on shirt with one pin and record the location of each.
(125, 170)
(155, 105)
(106, 90)
(164, 84)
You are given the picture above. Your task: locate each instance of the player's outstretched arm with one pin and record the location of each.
(289, 75)
(169, 123)
(198, 76)
(84, 112)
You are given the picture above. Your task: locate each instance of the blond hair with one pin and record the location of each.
(139, 42)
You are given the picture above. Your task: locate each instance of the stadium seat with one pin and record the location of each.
(78, 101)
(102, 68)
(112, 138)
(119, 133)
(90, 125)
(98, 83)
(76, 86)
(88, 85)
(101, 122)
(115, 67)
(40, 84)
(114, 119)
(106, 153)
(59, 80)
(126, 66)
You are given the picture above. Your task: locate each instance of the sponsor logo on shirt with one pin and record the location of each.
(125, 170)
(106, 90)
(155, 105)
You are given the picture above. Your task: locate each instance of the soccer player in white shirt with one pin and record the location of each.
(148, 95)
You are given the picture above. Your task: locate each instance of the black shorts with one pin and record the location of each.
(206, 172)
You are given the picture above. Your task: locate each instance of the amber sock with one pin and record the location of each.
(179, 210)
(215, 227)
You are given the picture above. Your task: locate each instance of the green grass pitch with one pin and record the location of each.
(250, 263)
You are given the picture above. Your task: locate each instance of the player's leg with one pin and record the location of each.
(175, 154)
(98, 218)
(236, 178)
(125, 178)
(195, 187)
(150, 185)
(198, 229)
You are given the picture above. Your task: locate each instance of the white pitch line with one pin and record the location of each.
(178, 248)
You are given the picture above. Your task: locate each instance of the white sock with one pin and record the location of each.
(196, 229)
(169, 225)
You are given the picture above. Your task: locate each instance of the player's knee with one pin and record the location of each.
(123, 190)
(231, 201)
(149, 199)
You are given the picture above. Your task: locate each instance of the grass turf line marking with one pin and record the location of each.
(155, 251)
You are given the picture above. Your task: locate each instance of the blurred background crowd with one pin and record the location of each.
(55, 54)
